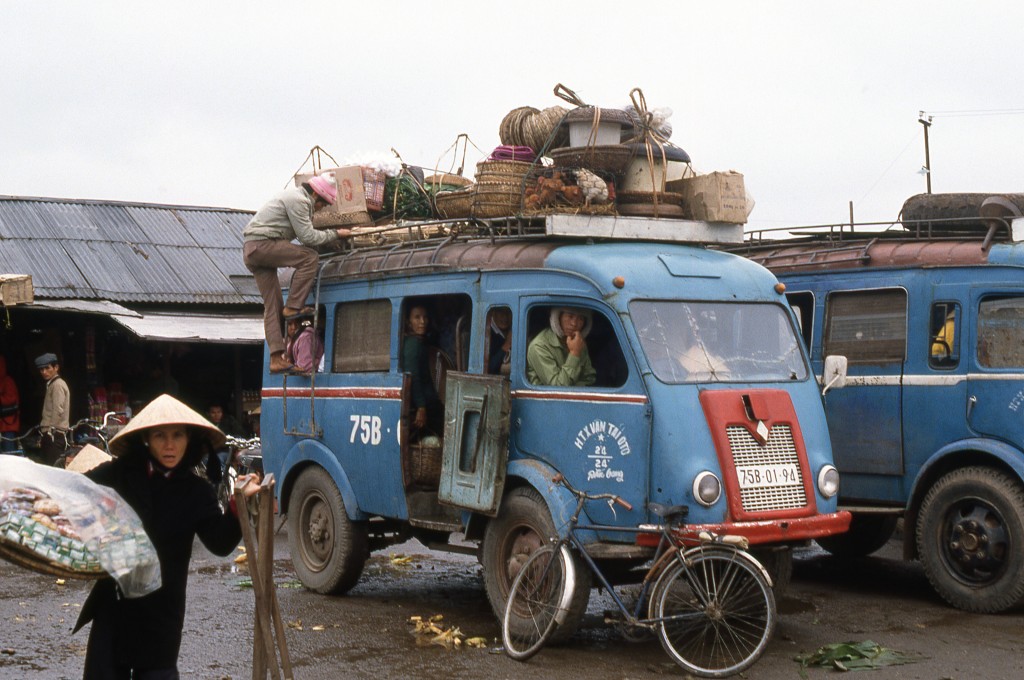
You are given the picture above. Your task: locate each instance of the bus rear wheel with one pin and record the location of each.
(328, 549)
(970, 536)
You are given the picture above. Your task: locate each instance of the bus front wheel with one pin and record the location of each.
(522, 526)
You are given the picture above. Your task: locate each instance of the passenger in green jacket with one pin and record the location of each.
(558, 355)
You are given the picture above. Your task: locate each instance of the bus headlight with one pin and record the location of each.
(828, 481)
(707, 488)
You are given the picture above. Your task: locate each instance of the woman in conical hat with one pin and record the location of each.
(154, 471)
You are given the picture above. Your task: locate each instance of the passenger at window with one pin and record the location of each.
(558, 355)
(303, 346)
(500, 348)
(415, 362)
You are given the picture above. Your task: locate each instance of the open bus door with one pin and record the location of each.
(476, 441)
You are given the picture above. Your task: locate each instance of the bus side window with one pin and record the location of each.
(943, 335)
(498, 349)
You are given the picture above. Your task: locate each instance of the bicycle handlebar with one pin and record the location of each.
(560, 479)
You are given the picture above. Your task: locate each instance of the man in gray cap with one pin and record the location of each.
(55, 422)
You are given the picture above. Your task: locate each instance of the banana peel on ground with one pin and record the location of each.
(431, 631)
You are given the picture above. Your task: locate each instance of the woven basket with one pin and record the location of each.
(611, 158)
(497, 199)
(425, 464)
(455, 204)
(502, 171)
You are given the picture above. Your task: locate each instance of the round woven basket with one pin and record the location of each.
(611, 158)
(455, 204)
(497, 199)
(503, 172)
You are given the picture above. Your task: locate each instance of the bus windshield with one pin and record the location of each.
(687, 342)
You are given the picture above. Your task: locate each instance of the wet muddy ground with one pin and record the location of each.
(367, 634)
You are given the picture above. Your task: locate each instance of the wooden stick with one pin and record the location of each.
(265, 531)
(262, 637)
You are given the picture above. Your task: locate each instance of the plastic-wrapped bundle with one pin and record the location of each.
(59, 519)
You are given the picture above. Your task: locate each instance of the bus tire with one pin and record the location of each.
(328, 549)
(522, 526)
(778, 562)
(867, 534)
(970, 536)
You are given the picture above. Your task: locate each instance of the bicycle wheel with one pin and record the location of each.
(538, 601)
(716, 611)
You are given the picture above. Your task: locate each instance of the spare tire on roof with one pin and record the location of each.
(951, 212)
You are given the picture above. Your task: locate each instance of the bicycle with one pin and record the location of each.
(709, 601)
(88, 431)
(243, 456)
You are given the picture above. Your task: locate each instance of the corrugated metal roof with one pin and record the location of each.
(128, 252)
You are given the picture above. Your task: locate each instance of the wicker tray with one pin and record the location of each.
(612, 158)
(326, 220)
(666, 210)
(455, 204)
(21, 556)
(446, 178)
(664, 197)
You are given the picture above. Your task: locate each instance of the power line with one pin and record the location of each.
(977, 112)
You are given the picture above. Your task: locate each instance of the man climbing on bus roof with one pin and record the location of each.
(558, 355)
(268, 245)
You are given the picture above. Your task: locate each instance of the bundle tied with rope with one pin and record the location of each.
(654, 144)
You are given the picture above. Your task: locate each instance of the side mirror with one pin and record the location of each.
(834, 375)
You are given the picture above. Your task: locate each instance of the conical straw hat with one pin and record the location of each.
(164, 410)
(88, 458)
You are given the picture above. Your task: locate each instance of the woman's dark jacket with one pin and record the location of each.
(416, 362)
(173, 510)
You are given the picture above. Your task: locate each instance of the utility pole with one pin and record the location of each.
(926, 121)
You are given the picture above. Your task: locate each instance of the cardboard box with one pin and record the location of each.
(15, 289)
(714, 197)
(351, 197)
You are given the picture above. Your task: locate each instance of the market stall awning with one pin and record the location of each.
(195, 327)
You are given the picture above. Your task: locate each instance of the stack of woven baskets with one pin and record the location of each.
(499, 187)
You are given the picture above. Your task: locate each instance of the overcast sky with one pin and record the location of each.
(217, 103)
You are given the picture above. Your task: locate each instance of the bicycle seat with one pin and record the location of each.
(669, 512)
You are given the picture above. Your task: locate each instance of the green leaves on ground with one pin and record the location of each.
(854, 656)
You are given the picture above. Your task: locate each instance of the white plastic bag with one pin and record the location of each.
(66, 519)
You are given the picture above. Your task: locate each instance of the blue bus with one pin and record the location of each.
(918, 332)
(702, 395)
